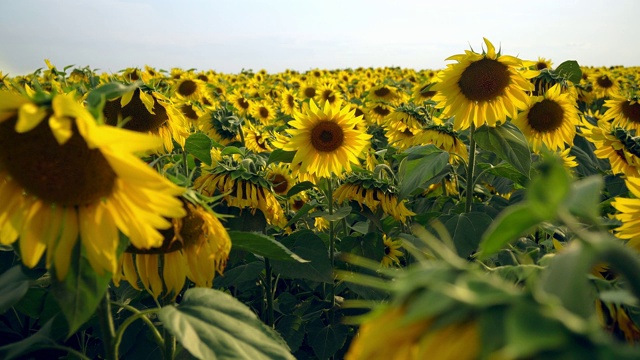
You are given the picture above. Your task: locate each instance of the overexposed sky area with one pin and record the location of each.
(228, 36)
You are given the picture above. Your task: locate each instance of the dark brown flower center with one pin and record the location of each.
(329, 96)
(545, 116)
(70, 174)
(484, 80)
(327, 136)
(290, 101)
(309, 92)
(381, 110)
(631, 111)
(264, 112)
(136, 114)
(382, 92)
(243, 103)
(541, 65)
(187, 110)
(280, 184)
(297, 204)
(604, 82)
(187, 88)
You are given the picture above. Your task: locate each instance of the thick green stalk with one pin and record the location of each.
(269, 291)
(107, 328)
(470, 168)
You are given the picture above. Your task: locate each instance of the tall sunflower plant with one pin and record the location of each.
(486, 210)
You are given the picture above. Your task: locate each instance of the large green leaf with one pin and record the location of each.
(262, 245)
(511, 223)
(281, 156)
(40, 340)
(328, 340)
(14, 284)
(416, 171)
(549, 189)
(570, 70)
(311, 247)
(584, 197)
(80, 293)
(199, 145)
(466, 230)
(292, 329)
(211, 324)
(508, 142)
(528, 331)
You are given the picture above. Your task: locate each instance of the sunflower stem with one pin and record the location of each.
(470, 168)
(269, 291)
(137, 314)
(332, 248)
(107, 328)
(169, 345)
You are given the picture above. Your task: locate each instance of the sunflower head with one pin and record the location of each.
(326, 139)
(482, 88)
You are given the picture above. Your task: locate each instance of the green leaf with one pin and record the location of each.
(415, 172)
(337, 215)
(570, 70)
(466, 230)
(311, 247)
(14, 284)
(262, 245)
(508, 226)
(566, 279)
(281, 156)
(199, 145)
(108, 92)
(508, 142)
(529, 332)
(304, 210)
(80, 293)
(211, 324)
(305, 185)
(230, 150)
(292, 330)
(328, 340)
(584, 197)
(548, 190)
(505, 170)
(240, 274)
(42, 339)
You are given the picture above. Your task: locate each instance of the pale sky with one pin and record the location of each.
(227, 36)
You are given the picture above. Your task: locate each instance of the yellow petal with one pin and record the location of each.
(61, 128)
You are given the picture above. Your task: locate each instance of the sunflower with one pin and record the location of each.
(220, 124)
(542, 63)
(263, 111)
(195, 247)
(240, 102)
(148, 111)
(482, 88)
(445, 138)
(604, 84)
(383, 93)
(288, 102)
(378, 112)
(280, 177)
(624, 112)
(617, 145)
(256, 139)
(629, 214)
(391, 335)
(392, 253)
(62, 176)
(308, 91)
(374, 193)
(187, 88)
(253, 193)
(326, 140)
(549, 120)
(327, 91)
(423, 92)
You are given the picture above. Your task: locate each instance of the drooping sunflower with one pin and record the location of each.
(624, 112)
(221, 124)
(374, 193)
(617, 145)
(482, 88)
(63, 177)
(392, 253)
(549, 120)
(251, 190)
(145, 110)
(195, 247)
(326, 140)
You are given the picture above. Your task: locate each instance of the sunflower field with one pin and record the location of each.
(487, 210)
